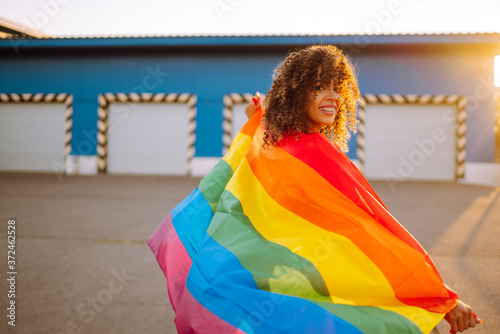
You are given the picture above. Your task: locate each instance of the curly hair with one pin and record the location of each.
(293, 89)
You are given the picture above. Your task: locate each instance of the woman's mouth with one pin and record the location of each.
(328, 110)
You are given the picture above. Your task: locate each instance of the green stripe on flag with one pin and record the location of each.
(213, 184)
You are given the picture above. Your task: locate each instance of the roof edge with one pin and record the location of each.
(250, 40)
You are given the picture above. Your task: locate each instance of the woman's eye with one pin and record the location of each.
(319, 87)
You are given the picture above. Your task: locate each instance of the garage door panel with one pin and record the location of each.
(32, 136)
(150, 138)
(239, 117)
(410, 142)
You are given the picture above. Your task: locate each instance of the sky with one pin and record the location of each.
(254, 17)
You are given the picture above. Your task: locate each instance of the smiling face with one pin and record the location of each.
(324, 105)
(295, 105)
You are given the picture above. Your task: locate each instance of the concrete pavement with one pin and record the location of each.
(83, 265)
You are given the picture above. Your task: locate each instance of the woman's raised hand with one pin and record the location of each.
(252, 106)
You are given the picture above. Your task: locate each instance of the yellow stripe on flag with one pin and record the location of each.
(238, 149)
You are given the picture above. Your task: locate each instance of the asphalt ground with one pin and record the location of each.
(83, 265)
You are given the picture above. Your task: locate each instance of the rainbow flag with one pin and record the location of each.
(292, 239)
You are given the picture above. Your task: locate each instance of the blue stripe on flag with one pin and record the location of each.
(221, 284)
(191, 219)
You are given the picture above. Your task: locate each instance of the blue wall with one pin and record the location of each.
(211, 73)
(209, 77)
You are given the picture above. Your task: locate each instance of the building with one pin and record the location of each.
(170, 105)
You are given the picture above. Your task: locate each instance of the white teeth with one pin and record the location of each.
(328, 109)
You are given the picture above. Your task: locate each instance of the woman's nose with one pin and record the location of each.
(333, 95)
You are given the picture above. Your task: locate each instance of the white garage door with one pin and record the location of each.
(148, 138)
(32, 136)
(410, 142)
(239, 118)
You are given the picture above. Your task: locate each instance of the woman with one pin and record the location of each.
(285, 235)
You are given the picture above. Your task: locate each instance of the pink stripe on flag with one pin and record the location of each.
(167, 248)
(193, 317)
